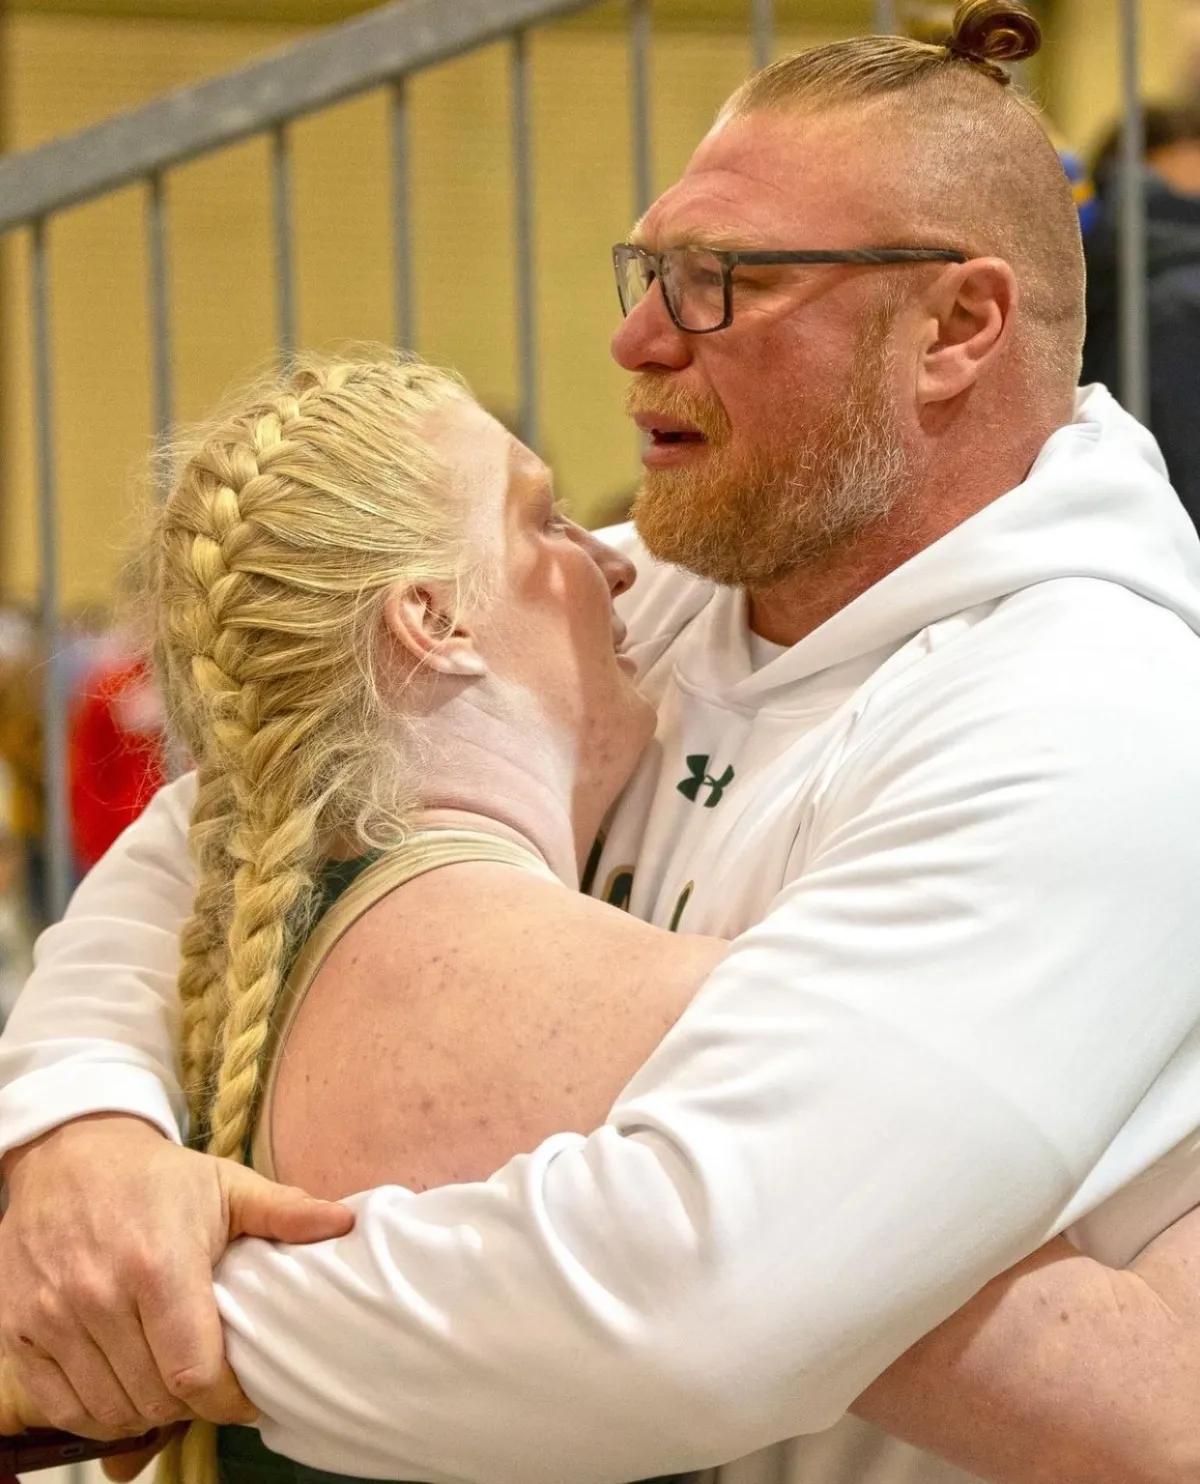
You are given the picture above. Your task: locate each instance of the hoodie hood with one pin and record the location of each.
(1096, 503)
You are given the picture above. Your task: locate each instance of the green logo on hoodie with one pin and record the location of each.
(700, 778)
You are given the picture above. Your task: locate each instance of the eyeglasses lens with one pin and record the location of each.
(692, 281)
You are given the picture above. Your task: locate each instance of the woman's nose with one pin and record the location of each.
(619, 571)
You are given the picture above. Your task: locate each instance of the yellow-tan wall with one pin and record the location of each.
(62, 70)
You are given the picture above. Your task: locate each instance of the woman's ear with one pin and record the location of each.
(423, 623)
(969, 320)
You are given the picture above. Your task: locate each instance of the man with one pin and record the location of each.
(931, 733)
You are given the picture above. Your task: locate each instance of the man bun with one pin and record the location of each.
(989, 32)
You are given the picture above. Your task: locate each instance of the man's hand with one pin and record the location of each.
(107, 1250)
(16, 1411)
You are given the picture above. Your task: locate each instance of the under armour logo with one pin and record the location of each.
(702, 778)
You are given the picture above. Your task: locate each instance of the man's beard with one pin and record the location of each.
(757, 521)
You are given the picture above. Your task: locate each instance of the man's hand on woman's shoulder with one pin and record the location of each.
(108, 1319)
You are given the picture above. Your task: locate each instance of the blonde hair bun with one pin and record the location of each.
(989, 32)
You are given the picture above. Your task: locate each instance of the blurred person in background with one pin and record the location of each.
(116, 745)
(16, 939)
(1172, 186)
(21, 752)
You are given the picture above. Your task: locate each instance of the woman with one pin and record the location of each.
(398, 670)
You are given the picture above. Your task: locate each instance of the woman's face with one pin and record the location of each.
(547, 628)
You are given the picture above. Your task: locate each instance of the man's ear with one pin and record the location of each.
(970, 313)
(423, 623)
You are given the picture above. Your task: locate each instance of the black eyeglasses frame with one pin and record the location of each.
(730, 258)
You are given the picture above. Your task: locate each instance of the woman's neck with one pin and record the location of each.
(511, 787)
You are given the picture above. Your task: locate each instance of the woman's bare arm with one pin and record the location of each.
(454, 1028)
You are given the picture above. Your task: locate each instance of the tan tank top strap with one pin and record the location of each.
(422, 852)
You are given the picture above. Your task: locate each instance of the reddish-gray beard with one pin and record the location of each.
(753, 522)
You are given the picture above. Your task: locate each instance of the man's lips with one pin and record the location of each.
(664, 429)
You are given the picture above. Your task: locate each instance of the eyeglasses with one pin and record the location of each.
(697, 282)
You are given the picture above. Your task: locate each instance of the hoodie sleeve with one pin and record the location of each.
(909, 1075)
(94, 1028)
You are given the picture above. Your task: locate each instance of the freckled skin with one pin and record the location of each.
(496, 1020)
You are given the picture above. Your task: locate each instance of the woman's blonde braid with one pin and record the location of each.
(291, 522)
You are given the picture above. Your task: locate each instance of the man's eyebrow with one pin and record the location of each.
(720, 238)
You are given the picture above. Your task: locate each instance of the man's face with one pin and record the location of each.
(775, 440)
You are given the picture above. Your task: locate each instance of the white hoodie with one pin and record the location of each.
(954, 828)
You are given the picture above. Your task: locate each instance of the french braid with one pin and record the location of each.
(291, 520)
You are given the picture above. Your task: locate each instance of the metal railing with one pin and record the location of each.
(382, 49)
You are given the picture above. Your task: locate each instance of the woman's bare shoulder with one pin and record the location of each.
(511, 918)
(465, 1017)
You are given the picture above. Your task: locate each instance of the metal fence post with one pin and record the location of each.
(158, 284)
(885, 17)
(763, 39)
(522, 148)
(639, 99)
(281, 200)
(1134, 333)
(57, 834)
(404, 299)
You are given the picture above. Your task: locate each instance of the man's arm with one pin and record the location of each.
(98, 1254)
(896, 1086)
(94, 1028)
(930, 1056)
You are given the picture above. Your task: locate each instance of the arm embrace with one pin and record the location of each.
(893, 1090)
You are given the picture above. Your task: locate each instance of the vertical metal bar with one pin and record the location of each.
(763, 21)
(639, 97)
(158, 284)
(404, 298)
(886, 20)
(281, 198)
(54, 687)
(523, 181)
(1134, 333)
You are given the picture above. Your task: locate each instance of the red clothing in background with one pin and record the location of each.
(116, 749)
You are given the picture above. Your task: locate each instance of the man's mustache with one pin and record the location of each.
(652, 391)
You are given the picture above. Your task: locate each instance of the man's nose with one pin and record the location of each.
(647, 338)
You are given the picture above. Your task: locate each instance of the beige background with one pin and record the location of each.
(64, 65)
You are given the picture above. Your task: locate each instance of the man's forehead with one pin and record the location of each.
(752, 178)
